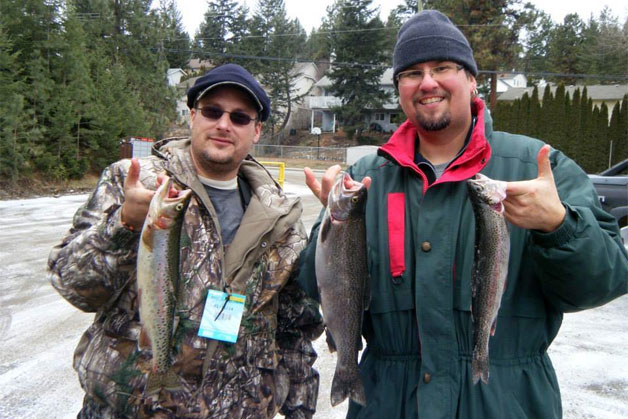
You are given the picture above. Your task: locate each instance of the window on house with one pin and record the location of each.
(379, 116)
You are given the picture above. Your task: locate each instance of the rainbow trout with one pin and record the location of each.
(342, 276)
(490, 266)
(157, 274)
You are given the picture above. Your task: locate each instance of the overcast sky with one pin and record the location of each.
(310, 12)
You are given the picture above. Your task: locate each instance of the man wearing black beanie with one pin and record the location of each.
(565, 252)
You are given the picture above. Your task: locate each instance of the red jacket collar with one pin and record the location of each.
(401, 147)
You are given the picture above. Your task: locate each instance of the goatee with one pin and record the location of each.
(428, 124)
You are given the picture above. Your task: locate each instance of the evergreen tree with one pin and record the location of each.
(12, 129)
(359, 60)
(279, 41)
(176, 42)
(546, 119)
(396, 19)
(534, 119)
(604, 48)
(492, 28)
(538, 28)
(565, 46)
(573, 127)
(221, 31)
(557, 128)
(620, 132)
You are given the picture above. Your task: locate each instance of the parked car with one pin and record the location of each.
(612, 188)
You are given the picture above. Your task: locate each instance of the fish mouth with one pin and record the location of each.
(344, 196)
(492, 191)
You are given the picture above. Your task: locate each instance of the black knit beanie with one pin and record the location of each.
(430, 36)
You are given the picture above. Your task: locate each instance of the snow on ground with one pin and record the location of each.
(39, 330)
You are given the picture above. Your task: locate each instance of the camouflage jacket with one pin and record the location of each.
(267, 371)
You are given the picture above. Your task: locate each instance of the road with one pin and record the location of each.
(39, 330)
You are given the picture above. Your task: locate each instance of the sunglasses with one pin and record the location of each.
(237, 117)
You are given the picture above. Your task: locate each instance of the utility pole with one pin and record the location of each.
(419, 6)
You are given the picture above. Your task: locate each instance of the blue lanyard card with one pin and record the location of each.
(222, 316)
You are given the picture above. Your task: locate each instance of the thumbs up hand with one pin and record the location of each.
(534, 204)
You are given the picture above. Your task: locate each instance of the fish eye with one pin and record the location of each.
(354, 199)
(179, 206)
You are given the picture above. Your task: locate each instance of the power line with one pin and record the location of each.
(366, 65)
(337, 31)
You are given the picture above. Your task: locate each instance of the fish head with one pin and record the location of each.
(488, 191)
(347, 198)
(167, 205)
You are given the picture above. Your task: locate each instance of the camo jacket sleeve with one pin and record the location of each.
(97, 256)
(299, 323)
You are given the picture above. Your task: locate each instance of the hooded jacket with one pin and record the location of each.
(418, 327)
(268, 370)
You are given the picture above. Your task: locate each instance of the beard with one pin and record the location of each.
(433, 124)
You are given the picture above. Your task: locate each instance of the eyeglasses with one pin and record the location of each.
(237, 117)
(438, 73)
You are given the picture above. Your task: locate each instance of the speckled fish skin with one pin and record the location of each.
(342, 276)
(157, 274)
(492, 247)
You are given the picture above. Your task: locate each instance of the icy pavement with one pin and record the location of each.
(39, 330)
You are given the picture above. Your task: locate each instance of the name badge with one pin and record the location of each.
(222, 316)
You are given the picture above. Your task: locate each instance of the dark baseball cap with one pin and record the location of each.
(235, 75)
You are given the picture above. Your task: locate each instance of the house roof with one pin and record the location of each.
(196, 64)
(594, 91)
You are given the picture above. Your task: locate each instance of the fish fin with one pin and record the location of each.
(144, 340)
(345, 384)
(175, 324)
(330, 341)
(493, 327)
(325, 229)
(479, 366)
(156, 381)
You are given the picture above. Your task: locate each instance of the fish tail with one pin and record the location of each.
(157, 381)
(479, 366)
(347, 385)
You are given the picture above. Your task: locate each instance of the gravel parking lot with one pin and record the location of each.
(39, 330)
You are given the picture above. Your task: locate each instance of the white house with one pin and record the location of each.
(506, 81)
(174, 76)
(387, 118)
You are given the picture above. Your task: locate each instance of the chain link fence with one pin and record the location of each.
(335, 154)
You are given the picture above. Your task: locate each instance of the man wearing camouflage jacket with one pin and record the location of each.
(268, 370)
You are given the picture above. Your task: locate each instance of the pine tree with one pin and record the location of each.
(12, 154)
(177, 41)
(278, 40)
(359, 60)
(538, 28)
(492, 28)
(565, 46)
(573, 130)
(534, 119)
(220, 32)
(620, 138)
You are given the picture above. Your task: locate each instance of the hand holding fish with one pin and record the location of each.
(321, 189)
(535, 204)
(136, 197)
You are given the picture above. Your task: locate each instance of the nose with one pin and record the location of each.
(428, 83)
(223, 122)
